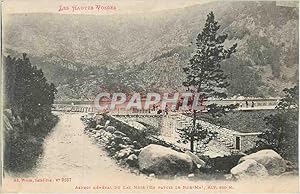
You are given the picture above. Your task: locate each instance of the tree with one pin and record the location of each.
(290, 102)
(29, 97)
(282, 135)
(27, 92)
(204, 74)
(188, 134)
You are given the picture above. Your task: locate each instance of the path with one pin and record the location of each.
(68, 152)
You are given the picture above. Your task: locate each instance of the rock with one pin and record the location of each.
(164, 161)
(104, 140)
(8, 114)
(102, 131)
(97, 134)
(271, 160)
(107, 135)
(119, 133)
(126, 139)
(191, 175)
(136, 125)
(123, 153)
(7, 124)
(98, 118)
(107, 123)
(197, 161)
(112, 143)
(152, 175)
(98, 127)
(136, 151)
(94, 135)
(118, 139)
(289, 174)
(135, 171)
(110, 129)
(228, 177)
(136, 144)
(290, 166)
(132, 157)
(216, 149)
(132, 160)
(122, 146)
(249, 169)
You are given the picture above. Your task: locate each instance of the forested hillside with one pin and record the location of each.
(84, 54)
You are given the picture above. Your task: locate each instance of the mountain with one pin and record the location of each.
(84, 54)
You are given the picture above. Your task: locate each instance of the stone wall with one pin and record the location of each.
(228, 137)
(167, 125)
(154, 120)
(142, 137)
(124, 127)
(248, 141)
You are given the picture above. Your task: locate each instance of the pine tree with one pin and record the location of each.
(27, 92)
(204, 74)
(282, 135)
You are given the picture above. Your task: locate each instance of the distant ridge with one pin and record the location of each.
(147, 52)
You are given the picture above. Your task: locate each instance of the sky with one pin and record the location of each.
(116, 6)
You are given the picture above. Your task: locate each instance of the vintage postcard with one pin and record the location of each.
(147, 96)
